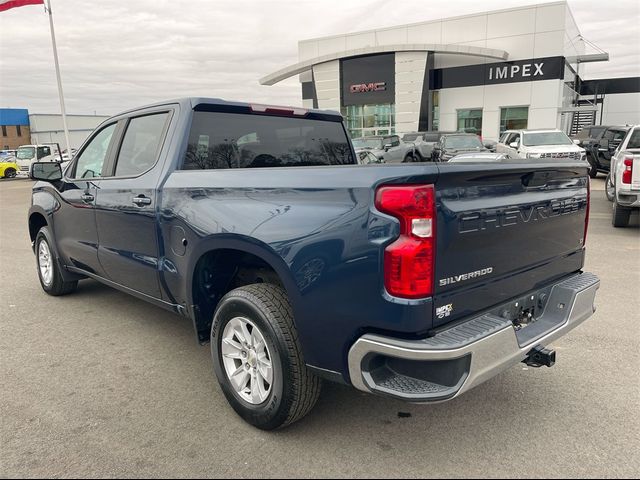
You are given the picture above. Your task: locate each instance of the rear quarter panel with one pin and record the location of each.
(291, 217)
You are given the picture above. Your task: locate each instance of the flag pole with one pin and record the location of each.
(60, 93)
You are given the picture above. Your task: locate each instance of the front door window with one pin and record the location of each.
(91, 159)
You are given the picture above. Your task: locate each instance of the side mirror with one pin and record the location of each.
(47, 171)
(514, 144)
(387, 146)
(577, 141)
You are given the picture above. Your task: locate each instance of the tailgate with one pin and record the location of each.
(505, 230)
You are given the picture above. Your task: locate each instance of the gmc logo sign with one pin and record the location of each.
(368, 87)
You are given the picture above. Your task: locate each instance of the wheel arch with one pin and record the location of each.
(236, 260)
(37, 220)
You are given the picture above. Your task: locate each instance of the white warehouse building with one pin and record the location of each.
(482, 73)
(48, 128)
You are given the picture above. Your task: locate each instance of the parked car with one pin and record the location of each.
(454, 144)
(365, 157)
(536, 144)
(8, 167)
(388, 148)
(623, 182)
(423, 143)
(480, 157)
(600, 142)
(256, 222)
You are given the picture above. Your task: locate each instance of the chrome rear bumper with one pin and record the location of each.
(455, 360)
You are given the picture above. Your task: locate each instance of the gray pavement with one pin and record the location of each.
(99, 384)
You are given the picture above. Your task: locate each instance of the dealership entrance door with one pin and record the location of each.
(367, 120)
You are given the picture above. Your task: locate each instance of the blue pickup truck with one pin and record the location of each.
(297, 264)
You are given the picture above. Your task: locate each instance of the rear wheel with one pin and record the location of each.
(10, 173)
(610, 189)
(408, 158)
(620, 215)
(48, 267)
(258, 359)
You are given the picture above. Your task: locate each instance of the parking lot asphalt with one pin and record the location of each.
(100, 384)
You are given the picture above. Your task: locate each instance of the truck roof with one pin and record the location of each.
(192, 102)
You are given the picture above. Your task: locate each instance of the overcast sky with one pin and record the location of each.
(118, 54)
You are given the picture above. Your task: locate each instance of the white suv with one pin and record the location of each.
(539, 144)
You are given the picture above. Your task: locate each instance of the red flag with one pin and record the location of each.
(7, 4)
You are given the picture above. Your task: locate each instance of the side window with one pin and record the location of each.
(395, 141)
(504, 137)
(43, 152)
(91, 159)
(141, 144)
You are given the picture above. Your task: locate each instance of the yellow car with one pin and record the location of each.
(8, 168)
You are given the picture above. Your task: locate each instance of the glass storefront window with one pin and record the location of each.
(365, 120)
(513, 118)
(470, 121)
(435, 113)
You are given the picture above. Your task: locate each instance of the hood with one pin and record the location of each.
(554, 148)
(453, 151)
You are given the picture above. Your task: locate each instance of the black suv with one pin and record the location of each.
(600, 142)
(454, 144)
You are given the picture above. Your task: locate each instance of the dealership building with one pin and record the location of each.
(482, 73)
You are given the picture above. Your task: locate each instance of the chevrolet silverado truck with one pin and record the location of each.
(623, 182)
(296, 264)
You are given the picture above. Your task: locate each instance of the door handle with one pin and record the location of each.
(141, 200)
(87, 198)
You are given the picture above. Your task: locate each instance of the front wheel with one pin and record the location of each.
(10, 173)
(48, 267)
(258, 359)
(610, 189)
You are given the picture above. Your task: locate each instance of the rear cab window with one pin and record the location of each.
(222, 140)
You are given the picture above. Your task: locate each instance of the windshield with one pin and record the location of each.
(26, 153)
(546, 138)
(368, 143)
(411, 137)
(462, 141)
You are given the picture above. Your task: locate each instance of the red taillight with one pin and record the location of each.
(586, 219)
(409, 261)
(627, 173)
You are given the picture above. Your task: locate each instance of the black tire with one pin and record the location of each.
(593, 170)
(609, 188)
(294, 389)
(620, 216)
(409, 158)
(10, 173)
(56, 286)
